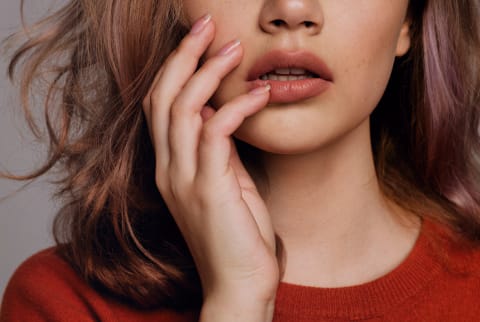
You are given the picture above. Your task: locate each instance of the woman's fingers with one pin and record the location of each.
(198, 172)
(185, 119)
(176, 71)
(215, 148)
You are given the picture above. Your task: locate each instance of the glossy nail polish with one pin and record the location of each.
(200, 24)
(260, 90)
(230, 47)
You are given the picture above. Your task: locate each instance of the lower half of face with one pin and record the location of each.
(357, 41)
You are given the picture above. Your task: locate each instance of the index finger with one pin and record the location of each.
(171, 78)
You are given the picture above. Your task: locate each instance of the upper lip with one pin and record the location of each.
(277, 59)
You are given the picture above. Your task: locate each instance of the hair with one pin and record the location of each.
(98, 59)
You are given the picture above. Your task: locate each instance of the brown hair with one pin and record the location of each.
(114, 228)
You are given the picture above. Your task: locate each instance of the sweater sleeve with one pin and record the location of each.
(45, 288)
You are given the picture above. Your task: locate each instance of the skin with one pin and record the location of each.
(324, 201)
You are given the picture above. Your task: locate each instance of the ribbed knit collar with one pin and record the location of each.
(367, 300)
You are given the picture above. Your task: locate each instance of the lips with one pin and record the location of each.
(293, 76)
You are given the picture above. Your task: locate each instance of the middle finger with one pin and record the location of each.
(170, 80)
(186, 121)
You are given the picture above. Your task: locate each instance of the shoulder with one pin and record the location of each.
(452, 248)
(460, 252)
(454, 289)
(46, 268)
(458, 256)
(46, 288)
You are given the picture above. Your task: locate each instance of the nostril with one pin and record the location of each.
(278, 22)
(282, 23)
(309, 24)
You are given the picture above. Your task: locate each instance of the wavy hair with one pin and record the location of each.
(98, 59)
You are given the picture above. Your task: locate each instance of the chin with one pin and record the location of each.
(279, 144)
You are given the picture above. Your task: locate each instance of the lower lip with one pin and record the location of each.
(292, 91)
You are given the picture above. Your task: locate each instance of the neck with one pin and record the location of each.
(331, 216)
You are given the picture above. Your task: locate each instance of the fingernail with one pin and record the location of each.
(200, 24)
(230, 47)
(260, 90)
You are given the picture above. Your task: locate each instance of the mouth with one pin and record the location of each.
(293, 76)
(288, 74)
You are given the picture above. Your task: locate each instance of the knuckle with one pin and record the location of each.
(213, 68)
(216, 78)
(176, 112)
(203, 200)
(170, 58)
(188, 46)
(208, 134)
(172, 189)
(153, 92)
(177, 191)
(174, 192)
(155, 98)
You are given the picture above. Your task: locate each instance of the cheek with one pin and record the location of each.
(365, 63)
(364, 82)
(229, 17)
(233, 20)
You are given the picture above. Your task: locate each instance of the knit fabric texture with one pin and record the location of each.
(438, 281)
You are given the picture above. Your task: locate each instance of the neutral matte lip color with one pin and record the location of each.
(293, 90)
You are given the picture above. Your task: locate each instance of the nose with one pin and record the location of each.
(280, 15)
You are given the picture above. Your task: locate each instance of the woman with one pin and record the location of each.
(353, 195)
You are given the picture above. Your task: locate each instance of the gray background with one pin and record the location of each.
(26, 216)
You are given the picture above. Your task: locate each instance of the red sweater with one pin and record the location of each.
(438, 281)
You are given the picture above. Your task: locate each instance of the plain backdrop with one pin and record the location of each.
(25, 216)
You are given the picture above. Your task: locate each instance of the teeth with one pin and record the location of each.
(298, 77)
(282, 71)
(276, 77)
(290, 71)
(287, 74)
(298, 71)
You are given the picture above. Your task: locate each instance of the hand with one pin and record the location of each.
(211, 196)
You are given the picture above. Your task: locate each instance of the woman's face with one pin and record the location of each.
(348, 46)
